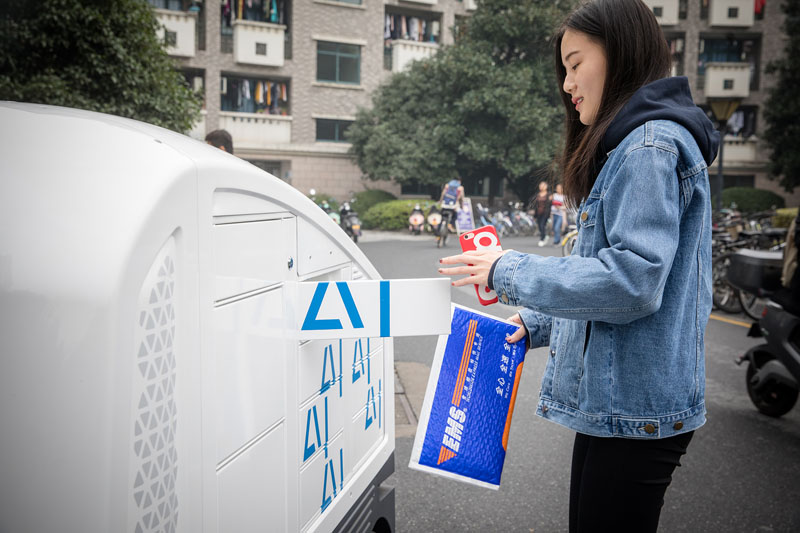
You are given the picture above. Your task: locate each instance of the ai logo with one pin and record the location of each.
(330, 479)
(311, 321)
(311, 447)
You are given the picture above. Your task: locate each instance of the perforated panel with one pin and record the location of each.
(154, 465)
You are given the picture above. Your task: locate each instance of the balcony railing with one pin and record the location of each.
(178, 31)
(258, 43)
(727, 80)
(404, 52)
(666, 11)
(741, 150)
(738, 13)
(256, 131)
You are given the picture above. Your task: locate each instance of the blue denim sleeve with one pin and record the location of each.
(623, 280)
(538, 327)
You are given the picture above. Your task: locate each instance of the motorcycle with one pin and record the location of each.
(350, 222)
(434, 219)
(773, 370)
(325, 206)
(416, 220)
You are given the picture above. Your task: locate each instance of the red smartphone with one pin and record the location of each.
(484, 238)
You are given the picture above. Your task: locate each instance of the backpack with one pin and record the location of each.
(451, 193)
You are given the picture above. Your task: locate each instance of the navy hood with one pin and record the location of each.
(664, 99)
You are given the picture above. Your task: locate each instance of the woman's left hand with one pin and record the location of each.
(477, 265)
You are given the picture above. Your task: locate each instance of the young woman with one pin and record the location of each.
(624, 315)
(559, 213)
(540, 208)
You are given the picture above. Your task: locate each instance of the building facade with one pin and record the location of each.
(286, 77)
(724, 47)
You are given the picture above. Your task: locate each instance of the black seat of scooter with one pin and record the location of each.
(756, 271)
(775, 232)
(749, 233)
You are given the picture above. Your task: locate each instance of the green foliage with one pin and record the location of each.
(783, 217)
(392, 215)
(102, 55)
(782, 110)
(487, 106)
(749, 200)
(366, 199)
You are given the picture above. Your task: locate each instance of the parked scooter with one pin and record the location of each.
(773, 370)
(331, 213)
(416, 220)
(434, 219)
(350, 222)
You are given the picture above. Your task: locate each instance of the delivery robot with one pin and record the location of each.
(149, 378)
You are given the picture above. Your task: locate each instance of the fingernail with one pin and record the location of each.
(452, 284)
(440, 260)
(440, 271)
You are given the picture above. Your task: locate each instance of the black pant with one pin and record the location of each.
(619, 484)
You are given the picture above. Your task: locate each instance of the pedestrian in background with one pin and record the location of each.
(220, 139)
(540, 208)
(559, 210)
(625, 315)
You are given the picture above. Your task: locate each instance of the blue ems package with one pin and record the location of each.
(466, 415)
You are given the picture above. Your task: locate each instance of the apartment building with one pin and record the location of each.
(286, 77)
(724, 47)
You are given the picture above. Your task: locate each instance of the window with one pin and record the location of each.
(173, 5)
(727, 84)
(683, 8)
(658, 11)
(330, 130)
(676, 44)
(254, 95)
(733, 12)
(355, 2)
(338, 62)
(738, 181)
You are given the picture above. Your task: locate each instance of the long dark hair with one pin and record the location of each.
(636, 54)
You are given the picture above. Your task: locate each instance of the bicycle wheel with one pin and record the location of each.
(752, 305)
(725, 295)
(568, 243)
(441, 239)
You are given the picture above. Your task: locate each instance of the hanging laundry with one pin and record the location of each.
(413, 28)
(274, 94)
(387, 27)
(269, 94)
(259, 92)
(435, 31)
(759, 6)
(284, 97)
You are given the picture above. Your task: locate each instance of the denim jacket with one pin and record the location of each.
(624, 316)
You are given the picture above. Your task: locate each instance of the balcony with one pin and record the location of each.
(258, 43)
(740, 150)
(727, 80)
(426, 2)
(731, 13)
(666, 11)
(256, 131)
(404, 52)
(178, 31)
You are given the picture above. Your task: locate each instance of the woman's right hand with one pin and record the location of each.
(521, 333)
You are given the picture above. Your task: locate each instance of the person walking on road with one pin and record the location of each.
(540, 207)
(624, 316)
(559, 210)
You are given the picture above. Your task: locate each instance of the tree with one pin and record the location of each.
(487, 106)
(100, 55)
(782, 111)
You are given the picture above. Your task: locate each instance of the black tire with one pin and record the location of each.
(725, 295)
(752, 305)
(355, 238)
(775, 399)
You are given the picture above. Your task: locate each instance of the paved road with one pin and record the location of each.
(742, 472)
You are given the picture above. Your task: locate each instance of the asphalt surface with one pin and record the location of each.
(741, 473)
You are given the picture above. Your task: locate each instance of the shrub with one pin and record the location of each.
(392, 215)
(366, 199)
(784, 217)
(750, 200)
